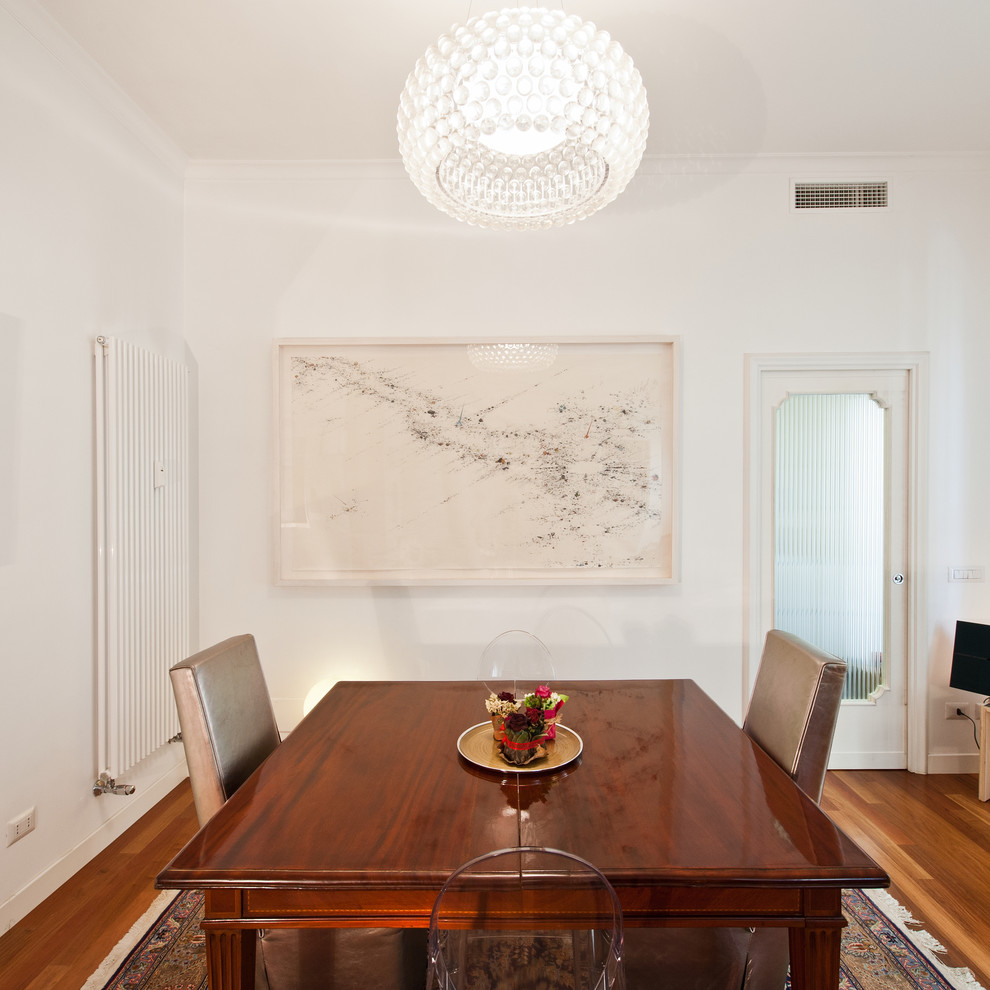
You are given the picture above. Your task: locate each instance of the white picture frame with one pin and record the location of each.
(459, 461)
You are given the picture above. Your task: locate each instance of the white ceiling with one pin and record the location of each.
(320, 79)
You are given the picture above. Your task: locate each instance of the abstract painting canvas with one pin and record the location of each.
(439, 461)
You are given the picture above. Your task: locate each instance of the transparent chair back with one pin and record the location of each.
(527, 918)
(516, 661)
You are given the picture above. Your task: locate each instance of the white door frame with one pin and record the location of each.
(758, 522)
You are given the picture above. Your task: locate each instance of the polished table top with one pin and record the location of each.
(367, 807)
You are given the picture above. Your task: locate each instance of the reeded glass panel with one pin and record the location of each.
(829, 530)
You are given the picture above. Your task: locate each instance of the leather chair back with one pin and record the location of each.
(228, 729)
(225, 713)
(794, 707)
(791, 716)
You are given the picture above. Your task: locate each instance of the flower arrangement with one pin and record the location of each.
(521, 728)
(525, 732)
(550, 703)
(502, 704)
(500, 707)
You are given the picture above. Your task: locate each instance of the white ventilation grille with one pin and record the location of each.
(840, 195)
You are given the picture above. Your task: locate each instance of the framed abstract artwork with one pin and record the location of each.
(544, 461)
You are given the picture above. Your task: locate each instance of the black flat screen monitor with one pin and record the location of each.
(971, 658)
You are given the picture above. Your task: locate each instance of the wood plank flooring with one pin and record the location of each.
(931, 834)
(62, 941)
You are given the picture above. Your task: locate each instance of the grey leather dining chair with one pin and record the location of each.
(226, 718)
(794, 707)
(228, 730)
(791, 716)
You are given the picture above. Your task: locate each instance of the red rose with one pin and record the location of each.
(517, 722)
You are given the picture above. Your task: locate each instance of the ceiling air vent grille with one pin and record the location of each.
(840, 195)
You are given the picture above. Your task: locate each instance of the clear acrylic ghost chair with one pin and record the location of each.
(524, 918)
(516, 660)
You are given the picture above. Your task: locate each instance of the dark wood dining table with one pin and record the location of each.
(363, 811)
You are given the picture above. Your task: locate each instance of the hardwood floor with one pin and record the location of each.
(930, 833)
(62, 941)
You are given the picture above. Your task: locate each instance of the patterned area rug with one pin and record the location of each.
(167, 952)
(878, 951)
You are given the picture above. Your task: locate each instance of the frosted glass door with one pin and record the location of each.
(834, 494)
(829, 531)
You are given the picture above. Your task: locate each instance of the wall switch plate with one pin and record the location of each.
(18, 827)
(967, 575)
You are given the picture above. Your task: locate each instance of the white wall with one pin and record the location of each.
(712, 255)
(90, 243)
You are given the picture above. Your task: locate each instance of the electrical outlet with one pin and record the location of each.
(952, 706)
(18, 827)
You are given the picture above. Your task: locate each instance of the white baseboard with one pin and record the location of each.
(867, 761)
(132, 808)
(953, 762)
(937, 762)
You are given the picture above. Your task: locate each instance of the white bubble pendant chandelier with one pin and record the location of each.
(523, 118)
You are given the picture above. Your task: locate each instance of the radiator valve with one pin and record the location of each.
(105, 784)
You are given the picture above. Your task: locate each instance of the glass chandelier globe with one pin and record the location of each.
(523, 118)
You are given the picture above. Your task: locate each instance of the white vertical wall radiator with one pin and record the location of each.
(143, 585)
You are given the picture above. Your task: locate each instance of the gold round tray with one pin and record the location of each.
(477, 745)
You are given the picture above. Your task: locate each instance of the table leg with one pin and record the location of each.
(985, 753)
(230, 957)
(815, 954)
